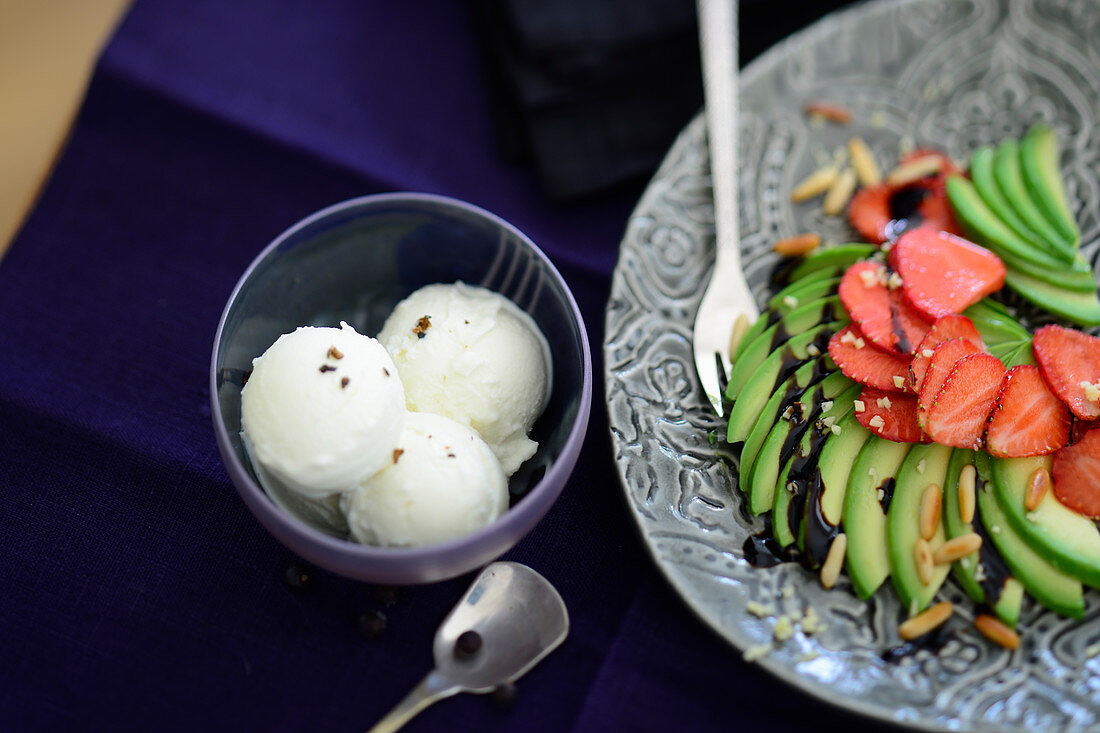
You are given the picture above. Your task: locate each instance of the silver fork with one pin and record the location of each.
(727, 308)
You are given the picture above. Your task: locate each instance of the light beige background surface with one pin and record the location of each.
(47, 51)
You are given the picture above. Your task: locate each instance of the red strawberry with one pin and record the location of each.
(943, 274)
(872, 209)
(944, 329)
(1080, 428)
(1069, 359)
(1076, 474)
(959, 412)
(863, 363)
(940, 365)
(881, 313)
(1027, 419)
(869, 212)
(890, 416)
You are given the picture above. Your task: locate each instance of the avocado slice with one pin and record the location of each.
(996, 588)
(1081, 308)
(784, 396)
(773, 371)
(832, 259)
(1068, 541)
(800, 483)
(984, 227)
(770, 442)
(864, 521)
(803, 291)
(782, 440)
(981, 173)
(1043, 179)
(1054, 589)
(836, 462)
(797, 321)
(925, 464)
(1010, 179)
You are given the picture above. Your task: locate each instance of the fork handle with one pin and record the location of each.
(431, 689)
(718, 46)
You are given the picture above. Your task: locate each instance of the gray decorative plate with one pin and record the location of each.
(949, 73)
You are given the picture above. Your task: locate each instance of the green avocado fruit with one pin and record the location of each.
(864, 521)
(1009, 176)
(925, 465)
(1067, 540)
(1043, 179)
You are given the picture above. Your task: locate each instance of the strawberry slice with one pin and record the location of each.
(869, 212)
(940, 365)
(1075, 472)
(863, 363)
(944, 329)
(882, 212)
(1027, 419)
(890, 416)
(958, 414)
(1070, 361)
(1080, 428)
(882, 314)
(943, 274)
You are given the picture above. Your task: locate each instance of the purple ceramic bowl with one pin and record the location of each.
(353, 262)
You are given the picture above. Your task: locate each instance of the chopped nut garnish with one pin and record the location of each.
(815, 184)
(826, 405)
(877, 422)
(397, 453)
(829, 111)
(884, 402)
(757, 609)
(921, 464)
(859, 343)
(790, 301)
(899, 381)
(894, 281)
(858, 405)
(797, 245)
(838, 195)
(927, 353)
(422, 326)
(869, 278)
(1092, 391)
(812, 350)
(783, 629)
(334, 353)
(914, 170)
(756, 651)
(848, 337)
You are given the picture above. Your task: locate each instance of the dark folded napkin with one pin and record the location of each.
(591, 94)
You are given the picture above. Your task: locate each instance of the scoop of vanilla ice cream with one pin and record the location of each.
(323, 409)
(472, 355)
(442, 483)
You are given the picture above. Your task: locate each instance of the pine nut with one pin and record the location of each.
(995, 630)
(1037, 487)
(925, 621)
(922, 556)
(966, 493)
(741, 326)
(930, 505)
(838, 195)
(815, 184)
(866, 168)
(830, 569)
(914, 170)
(797, 245)
(957, 548)
(831, 112)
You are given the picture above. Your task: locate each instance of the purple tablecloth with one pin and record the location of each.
(136, 591)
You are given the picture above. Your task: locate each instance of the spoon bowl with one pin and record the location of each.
(509, 619)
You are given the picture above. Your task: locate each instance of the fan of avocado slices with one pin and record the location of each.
(808, 464)
(1014, 203)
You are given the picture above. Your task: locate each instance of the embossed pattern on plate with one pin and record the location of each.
(950, 73)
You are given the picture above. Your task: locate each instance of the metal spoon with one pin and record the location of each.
(518, 618)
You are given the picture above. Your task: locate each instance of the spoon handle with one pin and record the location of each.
(432, 688)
